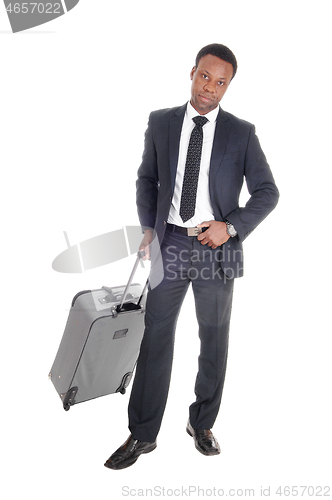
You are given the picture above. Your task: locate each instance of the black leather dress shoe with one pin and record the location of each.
(205, 441)
(128, 453)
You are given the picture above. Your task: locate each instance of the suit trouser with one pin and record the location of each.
(185, 261)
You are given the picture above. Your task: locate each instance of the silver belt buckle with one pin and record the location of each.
(194, 231)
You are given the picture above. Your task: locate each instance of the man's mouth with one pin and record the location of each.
(205, 97)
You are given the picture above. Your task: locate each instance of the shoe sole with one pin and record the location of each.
(188, 431)
(206, 453)
(109, 465)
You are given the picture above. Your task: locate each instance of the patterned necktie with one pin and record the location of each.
(191, 173)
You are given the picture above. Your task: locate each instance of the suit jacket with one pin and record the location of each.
(236, 154)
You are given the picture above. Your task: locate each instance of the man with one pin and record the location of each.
(195, 159)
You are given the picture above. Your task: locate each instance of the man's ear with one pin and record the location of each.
(192, 72)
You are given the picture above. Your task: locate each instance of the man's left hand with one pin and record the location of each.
(215, 235)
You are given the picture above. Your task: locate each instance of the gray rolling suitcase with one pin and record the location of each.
(101, 342)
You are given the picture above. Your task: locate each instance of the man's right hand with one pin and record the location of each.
(145, 244)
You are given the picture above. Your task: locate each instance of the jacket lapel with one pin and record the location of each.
(175, 126)
(220, 140)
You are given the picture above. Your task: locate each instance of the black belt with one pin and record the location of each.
(188, 231)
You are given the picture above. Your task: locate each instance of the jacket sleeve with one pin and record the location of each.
(147, 184)
(263, 192)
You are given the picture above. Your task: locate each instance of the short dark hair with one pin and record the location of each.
(218, 50)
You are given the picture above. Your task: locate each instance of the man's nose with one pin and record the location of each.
(210, 88)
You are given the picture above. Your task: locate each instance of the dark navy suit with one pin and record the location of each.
(236, 155)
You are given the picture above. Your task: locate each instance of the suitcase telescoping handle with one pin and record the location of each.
(140, 254)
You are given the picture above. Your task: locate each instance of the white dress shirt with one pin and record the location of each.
(203, 210)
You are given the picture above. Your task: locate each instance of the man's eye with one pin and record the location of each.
(205, 76)
(221, 83)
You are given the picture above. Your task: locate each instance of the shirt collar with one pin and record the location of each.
(211, 116)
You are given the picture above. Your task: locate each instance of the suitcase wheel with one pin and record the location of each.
(124, 383)
(69, 398)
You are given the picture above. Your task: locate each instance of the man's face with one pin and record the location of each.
(210, 80)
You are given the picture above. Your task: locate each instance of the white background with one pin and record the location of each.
(75, 98)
